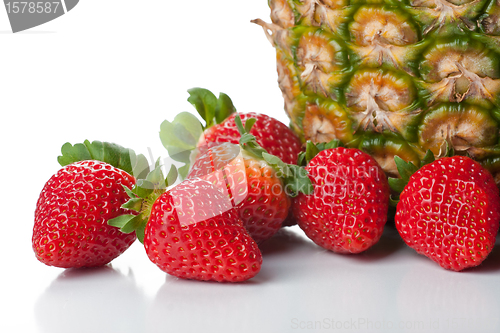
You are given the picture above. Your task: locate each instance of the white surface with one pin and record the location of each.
(113, 71)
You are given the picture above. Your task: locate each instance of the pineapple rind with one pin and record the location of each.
(446, 52)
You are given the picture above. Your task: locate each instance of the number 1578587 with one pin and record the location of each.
(32, 7)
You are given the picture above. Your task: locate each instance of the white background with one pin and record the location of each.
(113, 71)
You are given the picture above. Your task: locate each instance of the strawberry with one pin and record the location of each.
(186, 134)
(76, 203)
(275, 137)
(194, 233)
(347, 211)
(449, 210)
(257, 191)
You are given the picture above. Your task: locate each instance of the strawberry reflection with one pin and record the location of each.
(91, 300)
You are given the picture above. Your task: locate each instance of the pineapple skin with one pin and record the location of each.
(392, 77)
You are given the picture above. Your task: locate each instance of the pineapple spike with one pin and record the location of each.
(270, 29)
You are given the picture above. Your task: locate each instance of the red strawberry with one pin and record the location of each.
(194, 233)
(347, 211)
(252, 184)
(449, 211)
(72, 213)
(275, 137)
(186, 134)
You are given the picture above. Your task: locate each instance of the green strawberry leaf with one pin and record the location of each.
(143, 188)
(134, 204)
(239, 125)
(205, 103)
(295, 178)
(405, 169)
(183, 171)
(132, 224)
(283, 170)
(313, 149)
(121, 221)
(156, 178)
(181, 136)
(397, 184)
(118, 156)
(249, 124)
(428, 158)
(224, 108)
(172, 176)
(140, 231)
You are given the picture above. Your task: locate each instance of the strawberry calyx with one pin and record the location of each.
(119, 157)
(180, 137)
(294, 177)
(142, 197)
(313, 149)
(406, 169)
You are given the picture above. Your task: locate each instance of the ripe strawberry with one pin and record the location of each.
(194, 233)
(72, 213)
(449, 211)
(186, 134)
(257, 182)
(275, 137)
(252, 185)
(347, 211)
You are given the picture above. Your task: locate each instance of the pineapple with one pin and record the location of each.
(392, 77)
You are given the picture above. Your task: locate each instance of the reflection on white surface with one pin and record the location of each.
(91, 300)
(301, 288)
(430, 298)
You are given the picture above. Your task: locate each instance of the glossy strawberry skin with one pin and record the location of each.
(449, 212)
(274, 136)
(256, 192)
(194, 233)
(71, 216)
(347, 211)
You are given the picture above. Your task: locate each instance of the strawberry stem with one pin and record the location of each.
(142, 197)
